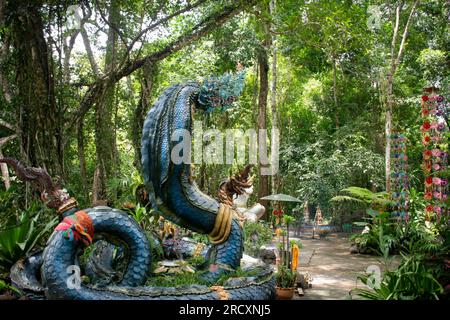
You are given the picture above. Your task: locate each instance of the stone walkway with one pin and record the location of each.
(332, 268)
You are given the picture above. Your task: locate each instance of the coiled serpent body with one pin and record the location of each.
(173, 193)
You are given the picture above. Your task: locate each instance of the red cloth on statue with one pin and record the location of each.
(277, 213)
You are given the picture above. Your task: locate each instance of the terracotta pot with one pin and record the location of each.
(285, 293)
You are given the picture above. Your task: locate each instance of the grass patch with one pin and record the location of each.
(185, 279)
(175, 280)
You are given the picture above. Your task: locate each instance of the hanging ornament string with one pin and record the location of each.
(434, 128)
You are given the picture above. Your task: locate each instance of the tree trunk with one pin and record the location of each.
(263, 66)
(89, 52)
(104, 113)
(273, 98)
(5, 173)
(140, 112)
(82, 159)
(37, 113)
(395, 61)
(335, 101)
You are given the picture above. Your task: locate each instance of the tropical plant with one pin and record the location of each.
(362, 195)
(256, 234)
(8, 287)
(18, 240)
(285, 277)
(412, 280)
(286, 274)
(146, 218)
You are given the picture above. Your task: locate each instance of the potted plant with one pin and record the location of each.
(286, 275)
(285, 282)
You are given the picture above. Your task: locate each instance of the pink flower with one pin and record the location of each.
(437, 195)
(437, 181)
(435, 138)
(436, 152)
(434, 125)
(436, 167)
(437, 209)
(444, 182)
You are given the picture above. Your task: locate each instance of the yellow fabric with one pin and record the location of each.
(295, 253)
(222, 226)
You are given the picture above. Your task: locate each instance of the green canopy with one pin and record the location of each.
(281, 197)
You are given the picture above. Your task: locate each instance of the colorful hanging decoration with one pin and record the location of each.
(435, 111)
(76, 227)
(399, 176)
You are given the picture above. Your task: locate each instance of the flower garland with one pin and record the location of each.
(434, 129)
(399, 176)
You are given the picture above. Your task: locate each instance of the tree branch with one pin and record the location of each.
(405, 33)
(7, 125)
(89, 52)
(7, 139)
(394, 36)
(111, 25)
(161, 21)
(208, 24)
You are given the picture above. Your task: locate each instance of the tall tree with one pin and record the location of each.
(36, 114)
(396, 58)
(263, 67)
(273, 94)
(105, 140)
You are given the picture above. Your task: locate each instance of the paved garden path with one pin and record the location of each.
(332, 267)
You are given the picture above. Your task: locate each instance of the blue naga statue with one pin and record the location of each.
(172, 192)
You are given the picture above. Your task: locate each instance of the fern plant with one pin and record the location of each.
(365, 196)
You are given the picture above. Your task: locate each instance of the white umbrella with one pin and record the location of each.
(281, 197)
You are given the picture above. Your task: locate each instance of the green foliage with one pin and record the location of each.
(256, 234)
(8, 287)
(186, 278)
(364, 195)
(285, 277)
(431, 62)
(147, 219)
(319, 170)
(123, 189)
(18, 240)
(178, 280)
(413, 280)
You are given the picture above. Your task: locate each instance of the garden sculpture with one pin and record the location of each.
(172, 192)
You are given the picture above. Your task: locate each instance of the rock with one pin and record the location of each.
(354, 249)
(248, 262)
(268, 254)
(304, 281)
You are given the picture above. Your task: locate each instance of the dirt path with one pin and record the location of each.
(332, 268)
